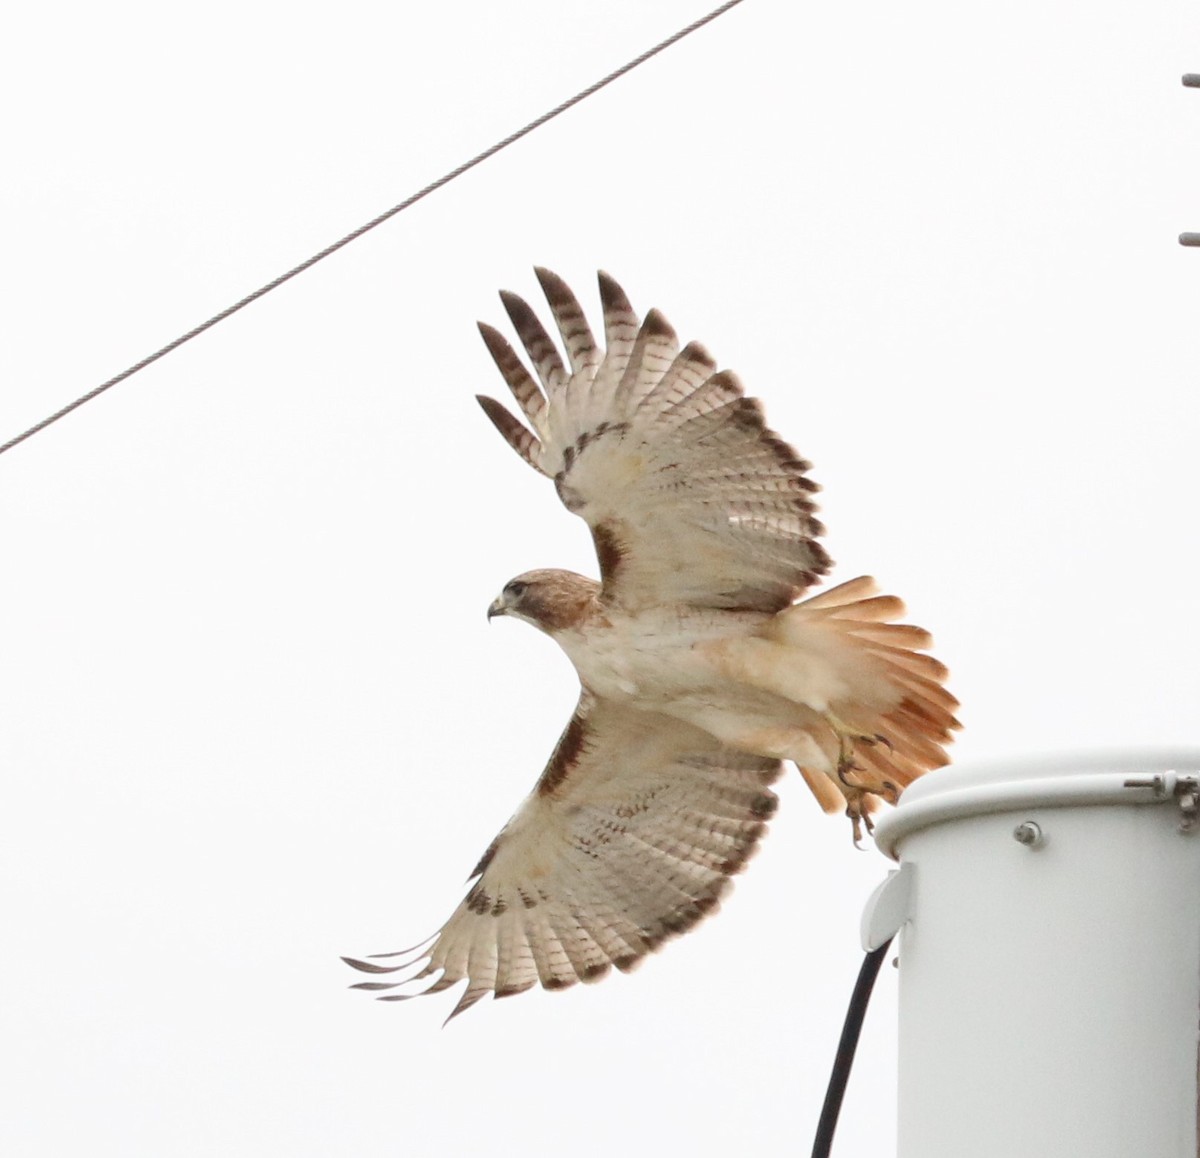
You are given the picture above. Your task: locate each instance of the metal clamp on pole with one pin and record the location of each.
(1184, 789)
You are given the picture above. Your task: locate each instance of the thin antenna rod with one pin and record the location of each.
(308, 263)
(1192, 240)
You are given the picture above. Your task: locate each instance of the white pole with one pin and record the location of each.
(1049, 958)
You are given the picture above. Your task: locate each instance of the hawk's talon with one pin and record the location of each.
(846, 766)
(858, 818)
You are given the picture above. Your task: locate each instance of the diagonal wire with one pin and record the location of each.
(308, 263)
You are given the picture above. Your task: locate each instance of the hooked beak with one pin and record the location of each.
(497, 607)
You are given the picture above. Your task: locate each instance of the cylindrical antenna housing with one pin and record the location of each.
(1049, 958)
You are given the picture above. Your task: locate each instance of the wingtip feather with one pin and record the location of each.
(512, 431)
(612, 296)
(552, 285)
(368, 967)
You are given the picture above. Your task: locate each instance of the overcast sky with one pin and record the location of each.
(251, 714)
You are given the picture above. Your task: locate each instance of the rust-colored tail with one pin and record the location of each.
(890, 701)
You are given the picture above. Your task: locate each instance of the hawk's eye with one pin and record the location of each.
(516, 588)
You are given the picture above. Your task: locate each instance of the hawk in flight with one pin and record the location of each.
(700, 672)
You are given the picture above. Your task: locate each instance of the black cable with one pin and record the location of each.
(823, 1143)
(537, 123)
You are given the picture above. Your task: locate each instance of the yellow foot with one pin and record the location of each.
(853, 786)
(859, 816)
(847, 737)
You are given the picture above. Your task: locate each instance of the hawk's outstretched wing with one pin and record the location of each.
(690, 498)
(629, 837)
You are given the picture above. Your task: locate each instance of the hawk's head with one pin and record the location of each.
(550, 600)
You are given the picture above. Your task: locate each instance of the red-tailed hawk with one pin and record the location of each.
(700, 672)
